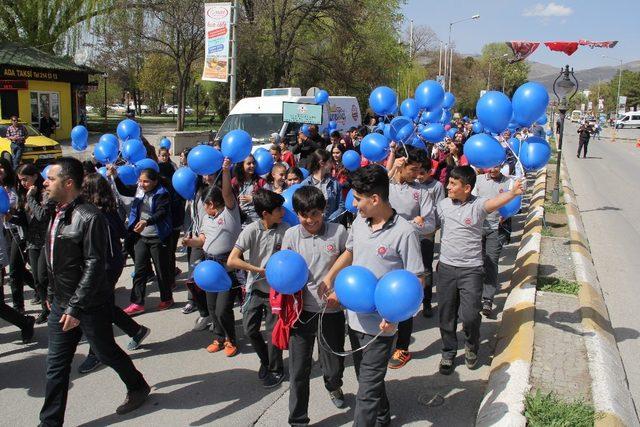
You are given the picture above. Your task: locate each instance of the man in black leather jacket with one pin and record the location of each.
(78, 295)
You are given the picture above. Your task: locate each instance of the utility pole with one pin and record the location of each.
(411, 40)
(234, 54)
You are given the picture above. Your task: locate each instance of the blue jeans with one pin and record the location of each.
(96, 326)
(16, 152)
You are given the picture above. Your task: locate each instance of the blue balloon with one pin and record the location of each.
(429, 95)
(355, 288)
(409, 108)
(305, 172)
(380, 127)
(264, 161)
(511, 208)
(374, 147)
(127, 174)
(287, 272)
(146, 164)
(406, 132)
(445, 117)
(542, 120)
(387, 130)
(133, 150)
(236, 145)
(165, 143)
(398, 296)
(106, 152)
(449, 101)
(110, 138)
(451, 133)
(290, 216)
(383, 101)
(184, 182)
(78, 145)
(430, 117)
(45, 171)
(494, 111)
(396, 124)
(333, 125)
(211, 276)
(349, 202)
(205, 160)
(477, 127)
(351, 160)
(549, 132)
(80, 135)
(5, 203)
(322, 97)
(102, 171)
(483, 151)
(305, 130)
(535, 153)
(128, 129)
(418, 143)
(529, 103)
(515, 145)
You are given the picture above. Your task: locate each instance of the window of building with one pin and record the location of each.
(45, 101)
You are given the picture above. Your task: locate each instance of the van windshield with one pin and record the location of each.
(259, 126)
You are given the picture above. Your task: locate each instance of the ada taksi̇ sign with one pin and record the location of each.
(217, 25)
(293, 112)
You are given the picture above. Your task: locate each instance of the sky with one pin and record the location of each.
(559, 20)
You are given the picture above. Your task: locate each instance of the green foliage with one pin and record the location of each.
(559, 286)
(114, 93)
(630, 87)
(548, 410)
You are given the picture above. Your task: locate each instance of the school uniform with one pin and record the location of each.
(258, 244)
(437, 192)
(392, 247)
(460, 271)
(221, 232)
(493, 235)
(320, 251)
(410, 200)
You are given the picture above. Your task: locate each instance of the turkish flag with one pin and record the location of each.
(567, 47)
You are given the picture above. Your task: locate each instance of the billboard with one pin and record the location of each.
(217, 27)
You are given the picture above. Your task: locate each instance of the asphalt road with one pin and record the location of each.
(606, 186)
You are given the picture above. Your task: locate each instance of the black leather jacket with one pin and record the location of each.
(77, 274)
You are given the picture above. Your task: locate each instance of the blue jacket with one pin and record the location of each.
(160, 212)
(335, 203)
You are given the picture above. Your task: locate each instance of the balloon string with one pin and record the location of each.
(323, 342)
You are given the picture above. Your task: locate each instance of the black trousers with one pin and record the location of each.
(459, 291)
(372, 404)
(196, 295)
(258, 308)
(426, 249)
(492, 243)
(12, 316)
(220, 307)
(96, 326)
(303, 337)
(175, 237)
(17, 270)
(158, 251)
(38, 263)
(582, 146)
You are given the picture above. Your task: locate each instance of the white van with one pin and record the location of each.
(262, 116)
(576, 116)
(630, 119)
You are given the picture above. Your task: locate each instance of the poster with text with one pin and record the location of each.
(217, 26)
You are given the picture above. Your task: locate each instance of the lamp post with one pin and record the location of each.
(173, 101)
(105, 75)
(617, 110)
(562, 86)
(197, 104)
(476, 16)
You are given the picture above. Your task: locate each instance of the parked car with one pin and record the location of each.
(629, 119)
(118, 108)
(38, 148)
(144, 109)
(173, 109)
(89, 108)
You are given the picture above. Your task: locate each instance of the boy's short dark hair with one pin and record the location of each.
(214, 196)
(464, 174)
(266, 201)
(71, 168)
(335, 134)
(370, 180)
(308, 198)
(412, 154)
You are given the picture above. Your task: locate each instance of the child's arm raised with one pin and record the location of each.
(502, 199)
(227, 191)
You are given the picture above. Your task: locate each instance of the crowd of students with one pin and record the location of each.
(236, 219)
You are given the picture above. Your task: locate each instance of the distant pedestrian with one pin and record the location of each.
(47, 125)
(584, 134)
(16, 133)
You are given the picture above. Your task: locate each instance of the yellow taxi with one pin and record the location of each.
(38, 148)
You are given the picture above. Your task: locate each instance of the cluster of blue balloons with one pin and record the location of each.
(397, 296)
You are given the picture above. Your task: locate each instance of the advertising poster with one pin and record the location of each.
(217, 27)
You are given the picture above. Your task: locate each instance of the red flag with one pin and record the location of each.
(592, 44)
(567, 47)
(521, 50)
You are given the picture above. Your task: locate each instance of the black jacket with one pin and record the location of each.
(77, 274)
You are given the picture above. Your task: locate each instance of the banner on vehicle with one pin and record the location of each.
(293, 112)
(217, 27)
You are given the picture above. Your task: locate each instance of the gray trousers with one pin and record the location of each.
(258, 308)
(492, 243)
(372, 404)
(459, 294)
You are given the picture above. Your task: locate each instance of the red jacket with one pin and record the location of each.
(288, 309)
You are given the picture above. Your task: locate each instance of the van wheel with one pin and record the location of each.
(620, 126)
(7, 156)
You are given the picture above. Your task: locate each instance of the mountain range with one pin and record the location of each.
(546, 74)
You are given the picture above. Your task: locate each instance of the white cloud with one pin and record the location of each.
(546, 11)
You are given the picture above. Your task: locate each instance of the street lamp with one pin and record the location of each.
(476, 16)
(197, 104)
(173, 101)
(562, 86)
(619, 82)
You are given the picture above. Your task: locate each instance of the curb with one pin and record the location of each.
(503, 402)
(609, 387)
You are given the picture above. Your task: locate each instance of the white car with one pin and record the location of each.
(144, 109)
(173, 109)
(118, 108)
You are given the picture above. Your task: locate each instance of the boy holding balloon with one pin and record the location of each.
(261, 239)
(381, 241)
(320, 243)
(460, 271)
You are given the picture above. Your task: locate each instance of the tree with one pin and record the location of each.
(629, 87)
(504, 76)
(422, 42)
(156, 77)
(97, 98)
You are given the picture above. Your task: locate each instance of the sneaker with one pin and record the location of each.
(134, 399)
(27, 332)
(178, 272)
(36, 300)
(399, 359)
(137, 339)
(189, 308)
(427, 311)
(230, 349)
(201, 324)
(134, 309)
(337, 397)
(214, 347)
(273, 379)
(263, 372)
(446, 366)
(470, 358)
(487, 308)
(89, 364)
(164, 305)
(42, 317)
